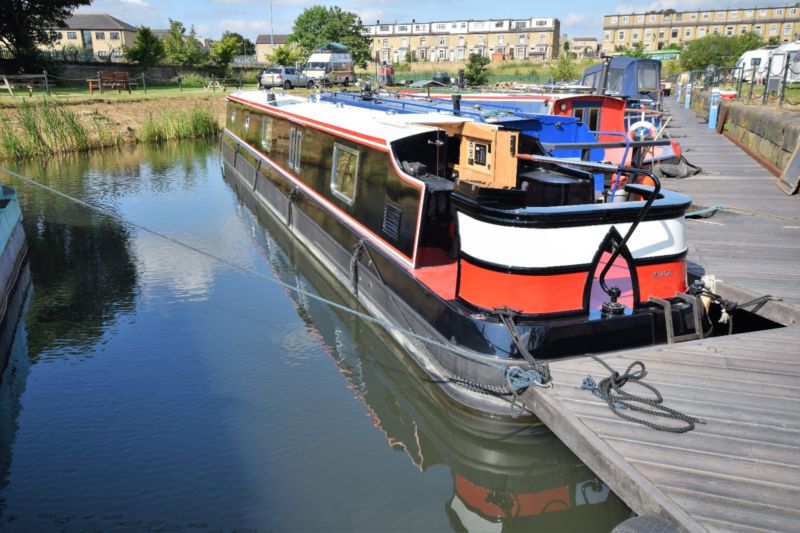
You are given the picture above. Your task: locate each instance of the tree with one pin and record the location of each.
(26, 24)
(718, 50)
(637, 50)
(563, 70)
(182, 48)
(246, 46)
(222, 51)
(285, 56)
(318, 25)
(147, 49)
(476, 72)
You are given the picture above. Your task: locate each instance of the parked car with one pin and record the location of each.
(331, 63)
(286, 77)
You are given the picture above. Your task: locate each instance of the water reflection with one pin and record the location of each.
(505, 476)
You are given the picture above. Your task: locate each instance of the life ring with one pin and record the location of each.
(642, 128)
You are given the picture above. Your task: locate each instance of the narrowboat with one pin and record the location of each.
(480, 252)
(14, 271)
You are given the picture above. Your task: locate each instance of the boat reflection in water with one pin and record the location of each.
(506, 474)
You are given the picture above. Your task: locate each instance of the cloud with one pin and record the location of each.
(140, 3)
(244, 26)
(370, 14)
(574, 19)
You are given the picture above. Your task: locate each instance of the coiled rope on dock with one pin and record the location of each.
(610, 390)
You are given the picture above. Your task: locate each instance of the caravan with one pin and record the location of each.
(785, 53)
(330, 64)
(754, 63)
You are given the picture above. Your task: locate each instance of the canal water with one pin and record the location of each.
(153, 388)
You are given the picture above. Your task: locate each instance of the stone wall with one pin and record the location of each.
(770, 132)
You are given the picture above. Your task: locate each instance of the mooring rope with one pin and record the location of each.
(610, 390)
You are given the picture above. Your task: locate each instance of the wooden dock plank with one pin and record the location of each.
(737, 472)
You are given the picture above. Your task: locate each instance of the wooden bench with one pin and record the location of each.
(109, 80)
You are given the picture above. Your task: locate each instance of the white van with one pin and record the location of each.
(330, 64)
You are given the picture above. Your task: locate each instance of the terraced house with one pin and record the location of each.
(533, 39)
(659, 30)
(99, 36)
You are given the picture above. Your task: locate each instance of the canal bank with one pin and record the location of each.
(41, 127)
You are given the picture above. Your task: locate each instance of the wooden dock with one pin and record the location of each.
(752, 246)
(740, 470)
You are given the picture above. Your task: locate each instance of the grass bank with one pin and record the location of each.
(44, 126)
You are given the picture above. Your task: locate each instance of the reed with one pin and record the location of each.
(49, 127)
(181, 124)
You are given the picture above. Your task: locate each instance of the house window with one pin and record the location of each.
(748, 13)
(640, 18)
(742, 29)
(541, 23)
(660, 34)
(344, 174)
(295, 148)
(734, 15)
(701, 32)
(441, 26)
(104, 53)
(442, 54)
(499, 24)
(441, 41)
(72, 35)
(266, 134)
(100, 35)
(422, 42)
(521, 39)
(716, 30)
(460, 40)
(384, 55)
(520, 52)
(542, 38)
(625, 19)
(114, 36)
(460, 54)
(651, 18)
(613, 20)
(501, 39)
(729, 30)
(402, 28)
(384, 28)
(607, 36)
(635, 36)
(688, 32)
(762, 12)
(693, 16)
(519, 25)
(463, 25)
(404, 42)
(621, 35)
(757, 30)
(423, 54)
(793, 11)
(706, 16)
(386, 43)
(648, 34)
(779, 12)
(773, 29)
(674, 34)
(787, 29)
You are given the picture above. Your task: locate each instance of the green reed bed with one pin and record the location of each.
(178, 124)
(49, 127)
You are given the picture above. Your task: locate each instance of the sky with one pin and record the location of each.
(579, 18)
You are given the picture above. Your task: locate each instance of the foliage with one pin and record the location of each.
(410, 58)
(476, 72)
(671, 67)
(24, 25)
(222, 51)
(636, 51)
(286, 56)
(718, 50)
(318, 25)
(147, 49)
(183, 48)
(774, 40)
(171, 125)
(563, 70)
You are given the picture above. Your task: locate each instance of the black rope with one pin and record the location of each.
(291, 198)
(358, 251)
(610, 390)
(507, 318)
(698, 288)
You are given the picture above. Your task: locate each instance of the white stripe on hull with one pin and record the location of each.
(550, 247)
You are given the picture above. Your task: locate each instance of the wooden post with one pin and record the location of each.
(144, 83)
(766, 81)
(739, 83)
(180, 82)
(752, 82)
(783, 81)
(99, 82)
(47, 85)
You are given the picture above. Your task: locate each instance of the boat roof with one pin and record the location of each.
(379, 127)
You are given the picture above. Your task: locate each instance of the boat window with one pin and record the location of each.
(344, 173)
(614, 83)
(266, 134)
(578, 113)
(246, 121)
(594, 119)
(295, 148)
(648, 77)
